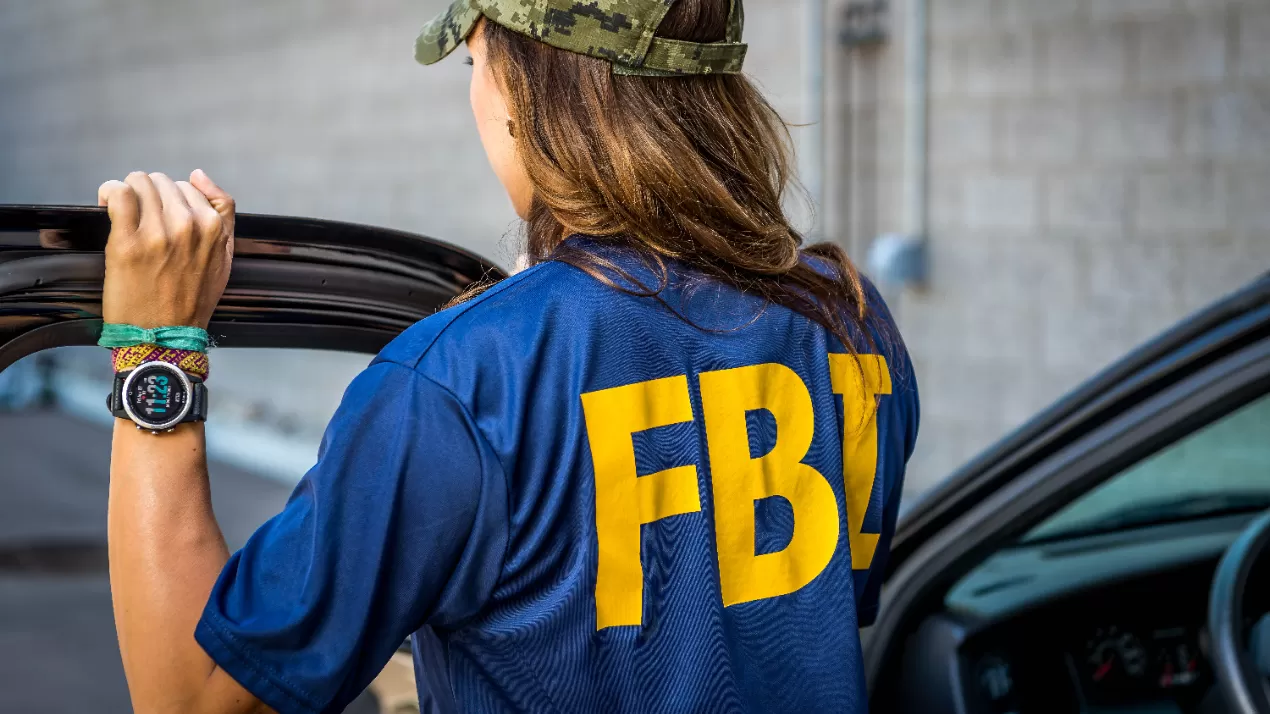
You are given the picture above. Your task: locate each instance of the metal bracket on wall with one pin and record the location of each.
(898, 260)
(864, 23)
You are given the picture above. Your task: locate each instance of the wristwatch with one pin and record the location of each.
(157, 396)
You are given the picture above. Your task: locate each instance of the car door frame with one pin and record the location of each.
(1208, 366)
(296, 282)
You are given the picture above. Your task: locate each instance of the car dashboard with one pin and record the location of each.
(1106, 624)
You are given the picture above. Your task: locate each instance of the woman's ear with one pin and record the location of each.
(490, 110)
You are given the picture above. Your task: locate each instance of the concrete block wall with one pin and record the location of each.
(1098, 169)
(308, 107)
(311, 108)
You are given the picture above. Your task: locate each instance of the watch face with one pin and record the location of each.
(157, 395)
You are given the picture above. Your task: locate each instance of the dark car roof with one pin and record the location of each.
(86, 227)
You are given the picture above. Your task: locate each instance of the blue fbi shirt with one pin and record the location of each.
(581, 500)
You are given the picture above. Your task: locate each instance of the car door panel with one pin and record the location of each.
(295, 282)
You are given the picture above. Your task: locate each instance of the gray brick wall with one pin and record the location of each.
(297, 107)
(1099, 168)
(310, 107)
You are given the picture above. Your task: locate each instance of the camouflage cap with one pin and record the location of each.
(620, 31)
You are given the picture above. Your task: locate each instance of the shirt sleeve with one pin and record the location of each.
(401, 523)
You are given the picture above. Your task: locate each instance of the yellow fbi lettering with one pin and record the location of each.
(858, 386)
(739, 481)
(624, 501)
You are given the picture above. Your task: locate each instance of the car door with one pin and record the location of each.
(295, 282)
(307, 305)
(1206, 367)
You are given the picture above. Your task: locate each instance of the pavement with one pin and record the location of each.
(58, 651)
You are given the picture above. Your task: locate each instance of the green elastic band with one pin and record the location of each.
(194, 339)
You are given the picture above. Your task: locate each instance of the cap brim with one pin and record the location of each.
(446, 31)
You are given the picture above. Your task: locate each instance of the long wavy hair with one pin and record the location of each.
(689, 169)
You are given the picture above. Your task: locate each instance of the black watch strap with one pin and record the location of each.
(198, 399)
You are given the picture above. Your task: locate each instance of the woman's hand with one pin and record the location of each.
(169, 251)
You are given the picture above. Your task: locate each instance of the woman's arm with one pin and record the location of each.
(167, 262)
(166, 551)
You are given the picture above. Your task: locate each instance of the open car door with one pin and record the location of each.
(953, 635)
(295, 282)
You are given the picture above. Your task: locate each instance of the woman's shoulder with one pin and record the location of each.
(495, 313)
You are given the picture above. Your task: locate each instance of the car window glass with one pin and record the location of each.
(1223, 466)
(57, 635)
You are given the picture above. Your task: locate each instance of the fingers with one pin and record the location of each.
(194, 198)
(204, 183)
(155, 205)
(178, 217)
(216, 196)
(121, 203)
(149, 202)
(205, 216)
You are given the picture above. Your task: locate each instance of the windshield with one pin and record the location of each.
(1222, 468)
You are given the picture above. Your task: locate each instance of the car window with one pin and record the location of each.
(1223, 467)
(57, 634)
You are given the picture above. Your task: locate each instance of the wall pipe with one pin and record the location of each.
(898, 260)
(916, 164)
(813, 159)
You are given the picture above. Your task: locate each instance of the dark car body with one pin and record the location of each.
(296, 282)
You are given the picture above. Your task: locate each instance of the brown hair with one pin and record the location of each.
(690, 169)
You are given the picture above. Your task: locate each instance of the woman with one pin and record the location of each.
(656, 471)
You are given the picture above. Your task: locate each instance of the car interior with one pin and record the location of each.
(1104, 606)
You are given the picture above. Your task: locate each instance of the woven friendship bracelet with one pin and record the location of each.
(194, 339)
(191, 362)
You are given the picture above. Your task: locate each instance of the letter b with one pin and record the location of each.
(738, 481)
